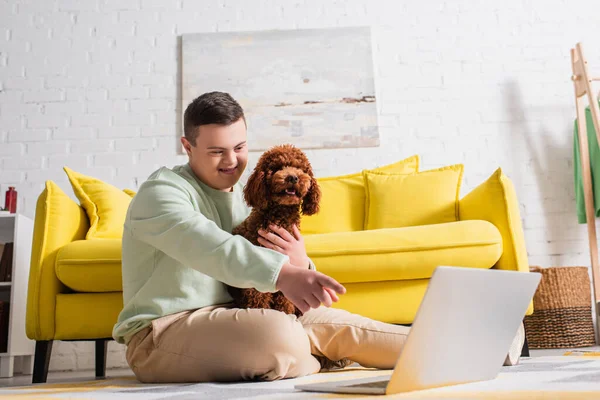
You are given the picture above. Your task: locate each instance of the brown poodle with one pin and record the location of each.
(280, 188)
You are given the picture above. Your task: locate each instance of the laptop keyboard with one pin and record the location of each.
(376, 384)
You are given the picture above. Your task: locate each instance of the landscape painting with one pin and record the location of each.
(313, 88)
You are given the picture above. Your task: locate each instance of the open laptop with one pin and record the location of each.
(462, 332)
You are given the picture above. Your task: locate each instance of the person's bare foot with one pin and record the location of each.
(327, 364)
(514, 353)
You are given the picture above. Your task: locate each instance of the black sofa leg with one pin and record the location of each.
(101, 350)
(41, 361)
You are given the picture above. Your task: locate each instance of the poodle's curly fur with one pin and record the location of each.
(279, 190)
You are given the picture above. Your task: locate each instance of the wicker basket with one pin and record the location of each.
(562, 315)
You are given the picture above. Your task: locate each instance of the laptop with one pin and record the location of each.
(462, 332)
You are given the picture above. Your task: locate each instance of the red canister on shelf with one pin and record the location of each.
(10, 202)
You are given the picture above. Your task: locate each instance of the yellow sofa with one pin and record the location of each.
(75, 280)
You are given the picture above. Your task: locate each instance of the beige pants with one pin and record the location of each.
(227, 344)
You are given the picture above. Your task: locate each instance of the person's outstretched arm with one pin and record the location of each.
(164, 217)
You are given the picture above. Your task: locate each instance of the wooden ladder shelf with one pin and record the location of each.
(582, 82)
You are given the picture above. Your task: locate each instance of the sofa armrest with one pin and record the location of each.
(58, 221)
(495, 201)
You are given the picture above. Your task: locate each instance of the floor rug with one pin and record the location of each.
(575, 375)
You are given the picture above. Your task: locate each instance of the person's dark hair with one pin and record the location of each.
(210, 108)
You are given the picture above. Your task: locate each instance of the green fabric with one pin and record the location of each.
(594, 152)
(178, 250)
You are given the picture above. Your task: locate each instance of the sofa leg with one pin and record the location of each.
(43, 350)
(101, 350)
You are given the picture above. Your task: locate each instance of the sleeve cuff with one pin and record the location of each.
(272, 287)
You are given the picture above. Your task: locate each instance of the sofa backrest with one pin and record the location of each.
(342, 205)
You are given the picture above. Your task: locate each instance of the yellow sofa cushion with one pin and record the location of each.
(342, 204)
(105, 205)
(90, 265)
(364, 256)
(404, 253)
(399, 200)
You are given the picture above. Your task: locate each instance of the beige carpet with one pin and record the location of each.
(576, 375)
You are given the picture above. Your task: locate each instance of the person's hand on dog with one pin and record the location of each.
(286, 243)
(307, 288)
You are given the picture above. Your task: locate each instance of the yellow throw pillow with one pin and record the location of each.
(129, 192)
(105, 205)
(342, 205)
(398, 200)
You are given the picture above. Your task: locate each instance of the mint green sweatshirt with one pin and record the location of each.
(178, 250)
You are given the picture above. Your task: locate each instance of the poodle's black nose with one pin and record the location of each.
(292, 178)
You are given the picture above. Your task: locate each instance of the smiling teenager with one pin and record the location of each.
(178, 255)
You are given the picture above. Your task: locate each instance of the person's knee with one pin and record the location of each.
(282, 333)
(283, 347)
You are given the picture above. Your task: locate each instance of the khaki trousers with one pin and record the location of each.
(219, 343)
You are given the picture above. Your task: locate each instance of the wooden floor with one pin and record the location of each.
(82, 376)
(64, 377)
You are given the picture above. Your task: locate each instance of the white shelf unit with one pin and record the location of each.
(18, 229)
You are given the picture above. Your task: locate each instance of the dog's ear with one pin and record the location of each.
(255, 191)
(310, 204)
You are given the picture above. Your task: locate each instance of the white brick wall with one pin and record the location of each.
(92, 85)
